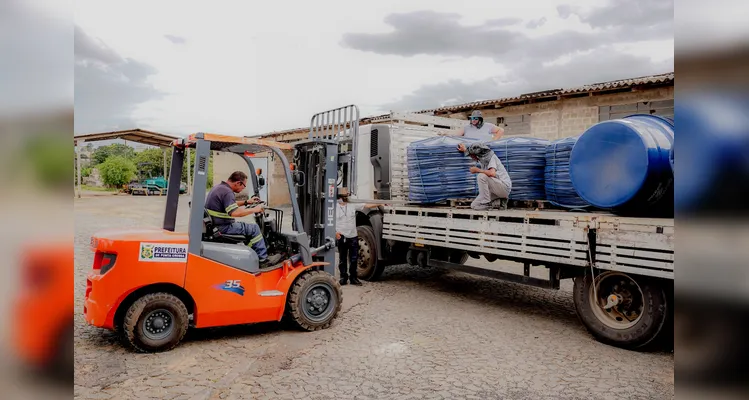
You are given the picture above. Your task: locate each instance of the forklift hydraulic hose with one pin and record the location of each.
(297, 257)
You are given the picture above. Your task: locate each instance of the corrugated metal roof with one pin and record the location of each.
(618, 84)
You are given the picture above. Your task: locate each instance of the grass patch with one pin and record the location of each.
(97, 189)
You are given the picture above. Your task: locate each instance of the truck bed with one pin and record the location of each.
(643, 246)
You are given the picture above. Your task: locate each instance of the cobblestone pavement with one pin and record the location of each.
(417, 334)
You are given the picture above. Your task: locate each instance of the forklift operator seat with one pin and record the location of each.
(212, 234)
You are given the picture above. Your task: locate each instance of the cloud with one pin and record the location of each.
(36, 74)
(536, 23)
(108, 87)
(602, 65)
(633, 14)
(442, 34)
(508, 21)
(176, 39)
(534, 62)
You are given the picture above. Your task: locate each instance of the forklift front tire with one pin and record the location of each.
(155, 322)
(314, 301)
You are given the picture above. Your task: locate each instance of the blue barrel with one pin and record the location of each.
(557, 183)
(437, 171)
(623, 165)
(524, 159)
(714, 146)
(671, 159)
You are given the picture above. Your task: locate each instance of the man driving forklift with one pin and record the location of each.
(223, 208)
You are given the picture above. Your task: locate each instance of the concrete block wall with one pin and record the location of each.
(569, 117)
(224, 164)
(278, 189)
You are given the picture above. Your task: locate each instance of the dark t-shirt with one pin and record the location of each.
(220, 203)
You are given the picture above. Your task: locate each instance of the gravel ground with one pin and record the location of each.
(417, 334)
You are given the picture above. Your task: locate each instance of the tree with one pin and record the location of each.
(117, 171)
(117, 149)
(50, 165)
(154, 159)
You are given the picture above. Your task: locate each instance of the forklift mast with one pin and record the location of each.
(324, 163)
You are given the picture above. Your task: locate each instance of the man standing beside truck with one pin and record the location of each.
(347, 239)
(493, 180)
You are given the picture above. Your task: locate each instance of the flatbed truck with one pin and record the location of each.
(623, 268)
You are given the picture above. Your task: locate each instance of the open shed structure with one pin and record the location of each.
(142, 136)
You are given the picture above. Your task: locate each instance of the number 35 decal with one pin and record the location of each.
(234, 286)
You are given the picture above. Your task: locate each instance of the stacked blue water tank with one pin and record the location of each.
(525, 160)
(623, 165)
(559, 189)
(437, 171)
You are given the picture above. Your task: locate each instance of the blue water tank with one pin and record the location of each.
(623, 165)
(714, 149)
(437, 171)
(559, 189)
(524, 159)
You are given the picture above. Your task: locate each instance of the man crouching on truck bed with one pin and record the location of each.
(493, 180)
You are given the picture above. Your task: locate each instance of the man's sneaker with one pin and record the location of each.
(356, 282)
(499, 203)
(481, 207)
(343, 281)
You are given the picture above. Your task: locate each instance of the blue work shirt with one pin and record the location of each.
(220, 203)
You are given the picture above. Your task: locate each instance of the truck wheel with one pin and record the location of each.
(155, 322)
(458, 257)
(411, 258)
(368, 267)
(314, 301)
(621, 311)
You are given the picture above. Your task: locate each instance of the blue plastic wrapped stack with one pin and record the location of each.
(437, 171)
(559, 189)
(525, 160)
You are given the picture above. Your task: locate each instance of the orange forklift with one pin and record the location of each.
(151, 285)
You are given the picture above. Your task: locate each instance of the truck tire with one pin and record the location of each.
(155, 322)
(411, 258)
(314, 301)
(458, 257)
(639, 313)
(368, 267)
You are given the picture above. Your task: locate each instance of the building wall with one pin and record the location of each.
(278, 189)
(225, 163)
(569, 117)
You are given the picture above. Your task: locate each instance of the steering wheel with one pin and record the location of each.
(250, 205)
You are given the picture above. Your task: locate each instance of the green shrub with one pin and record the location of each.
(117, 171)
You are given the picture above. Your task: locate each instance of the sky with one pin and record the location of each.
(248, 68)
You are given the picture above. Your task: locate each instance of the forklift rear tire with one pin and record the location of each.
(314, 301)
(155, 322)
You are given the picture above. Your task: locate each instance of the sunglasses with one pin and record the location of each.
(473, 118)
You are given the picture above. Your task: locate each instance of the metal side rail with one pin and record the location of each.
(633, 245)
(642, 246)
